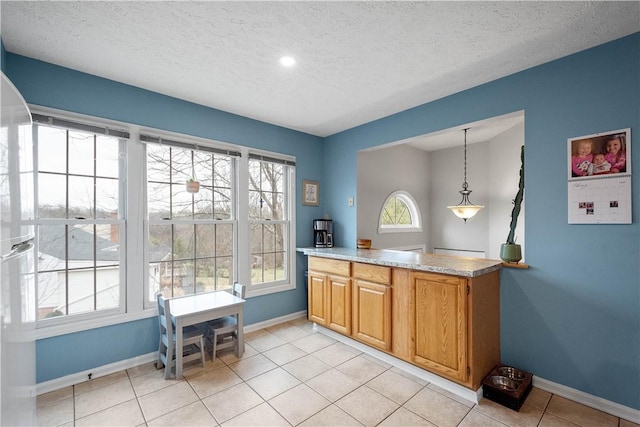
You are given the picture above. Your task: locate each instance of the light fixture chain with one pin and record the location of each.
(464, 184)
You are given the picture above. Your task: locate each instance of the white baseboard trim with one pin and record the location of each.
(450, 386)
(275, 321)
(101, 371)
(589, 400)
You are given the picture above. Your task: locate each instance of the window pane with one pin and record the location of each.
(257, 236)
(52, 196)
(81, 290)
(158, 163)
(203, 207)
(108, 287)
(107, 156)
(224, 240)
(81, 192)
(81, 155)
(183, 278)
(205, 240)
(222, 172)
(107, 198)
(107, 244)
(158, 200)
(205, 269)
(159, 243)
(181, 201)
(52, 149)
(183, 241)
(181, 165)
(280, 237)
(224, 272)
(52, 294)
(222, 203)
(202, 167)
(154, 280)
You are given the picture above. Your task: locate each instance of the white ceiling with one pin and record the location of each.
(356, 61)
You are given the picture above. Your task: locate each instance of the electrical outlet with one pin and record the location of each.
(351, 201)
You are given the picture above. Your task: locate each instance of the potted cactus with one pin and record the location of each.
(510, 251)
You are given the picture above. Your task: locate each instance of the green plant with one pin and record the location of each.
(517, 202)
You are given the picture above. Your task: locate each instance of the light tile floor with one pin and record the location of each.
(291, 375)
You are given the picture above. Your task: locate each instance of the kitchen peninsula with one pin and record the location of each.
(439, 313)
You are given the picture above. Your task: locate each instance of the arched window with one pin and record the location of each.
(399, 214)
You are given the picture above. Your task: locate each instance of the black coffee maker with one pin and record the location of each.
(323, 233)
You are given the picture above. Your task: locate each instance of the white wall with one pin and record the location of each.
(504, 186)
(492, 174)
(380, 173)
(434, 180)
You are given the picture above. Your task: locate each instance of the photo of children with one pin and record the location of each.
(599, 154)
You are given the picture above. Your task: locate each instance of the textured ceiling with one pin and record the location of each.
(356, 61)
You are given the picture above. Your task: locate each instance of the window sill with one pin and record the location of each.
(72, 327)
(515, 265)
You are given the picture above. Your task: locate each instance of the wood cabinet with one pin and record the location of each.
(372, 305)
(441, 324)
(446, 324)
(457, 325)
(329, 293)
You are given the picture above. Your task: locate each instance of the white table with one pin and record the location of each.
(199, 308)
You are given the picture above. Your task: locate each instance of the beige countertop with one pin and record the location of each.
(445, 264)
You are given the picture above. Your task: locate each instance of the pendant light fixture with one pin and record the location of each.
(465, 209)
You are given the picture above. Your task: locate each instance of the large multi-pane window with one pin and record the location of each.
(192, 233)
(98, 190)
(80, 223)
(269, 219)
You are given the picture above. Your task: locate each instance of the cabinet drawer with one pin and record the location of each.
(332, 266)
(372, 273)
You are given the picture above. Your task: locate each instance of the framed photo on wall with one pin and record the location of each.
(599, 172)
(600, 154)
(310, 193)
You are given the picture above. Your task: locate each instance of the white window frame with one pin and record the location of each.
(244, 268)
(407, 199)
(134, 305)
(65, 324)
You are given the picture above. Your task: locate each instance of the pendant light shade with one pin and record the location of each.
(465, 209)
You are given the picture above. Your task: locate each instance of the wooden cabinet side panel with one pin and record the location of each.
(340, 304)
(484, 326)
(402, 314)
(441, 325)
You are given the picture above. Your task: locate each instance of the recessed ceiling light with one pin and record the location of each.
(287, 61)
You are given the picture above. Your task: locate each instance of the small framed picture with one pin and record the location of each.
(310, 193)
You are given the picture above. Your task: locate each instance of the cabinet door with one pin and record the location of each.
(441, 324)
(318, 303)
(339, 304)
(372, 313)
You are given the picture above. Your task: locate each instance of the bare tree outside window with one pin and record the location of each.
(269, 225)
(191, 235)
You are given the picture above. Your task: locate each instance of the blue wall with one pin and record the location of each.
(572, 318)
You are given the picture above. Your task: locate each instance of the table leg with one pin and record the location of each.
(240, 318)
(178, 349)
